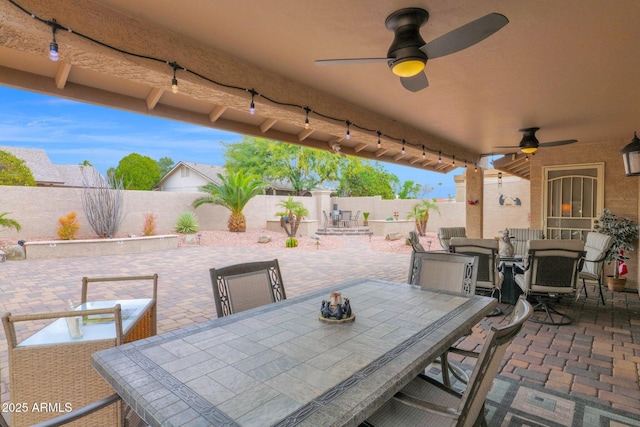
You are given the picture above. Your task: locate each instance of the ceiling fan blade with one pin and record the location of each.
(347, 61)
(557, 143)
(465, 36)
(415, 83)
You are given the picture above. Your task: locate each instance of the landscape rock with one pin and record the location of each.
(3, 256)
(264, 239)
(393, 236)
(15, 252)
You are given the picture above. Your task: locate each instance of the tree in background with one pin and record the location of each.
(233, 192)
(362, 179)
(86, 163)
(304, 168)
(409, 190)
(14, 171)
(165, 164)
(420, 214)
(137, 172)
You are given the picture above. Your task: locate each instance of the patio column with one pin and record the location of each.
(323, 203)
(474, 195)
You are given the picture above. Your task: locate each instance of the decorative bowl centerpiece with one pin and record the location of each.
(335, 310)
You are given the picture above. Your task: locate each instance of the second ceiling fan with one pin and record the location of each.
(409, 53)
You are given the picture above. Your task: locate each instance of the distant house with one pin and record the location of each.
(46, 173)
(188, 177)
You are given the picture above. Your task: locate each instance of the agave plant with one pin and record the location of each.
(233, 192)
(420, 213)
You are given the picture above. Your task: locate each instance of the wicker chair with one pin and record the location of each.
(551, 270)
(424, 401)
(519, 238)
(60, 372)
(446, 233)
(597, 247)
(243, 286)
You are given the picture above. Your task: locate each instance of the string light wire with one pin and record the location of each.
(57, 26)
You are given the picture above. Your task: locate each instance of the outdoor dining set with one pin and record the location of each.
(272, 360)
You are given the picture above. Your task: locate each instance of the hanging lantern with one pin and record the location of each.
(631, 157)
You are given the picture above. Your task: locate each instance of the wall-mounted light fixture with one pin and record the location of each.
(631, 157)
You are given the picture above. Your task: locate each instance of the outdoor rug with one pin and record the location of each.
(512, 403)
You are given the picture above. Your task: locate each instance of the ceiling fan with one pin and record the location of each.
(529, 143)
(409, 53)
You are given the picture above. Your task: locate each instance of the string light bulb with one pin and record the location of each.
(348, 135)
(475, 167)
(306, 119)
(453, 160)
(53, 46)
(252, 106)
(439, 156)
(423, 153)
(174, 81)
(379, 143)
(403, 142)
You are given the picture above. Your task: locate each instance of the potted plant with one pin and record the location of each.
(624, 233)
(365, 215)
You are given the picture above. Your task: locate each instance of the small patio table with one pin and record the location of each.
(279, 365)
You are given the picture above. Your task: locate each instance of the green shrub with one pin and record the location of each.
(187, 223)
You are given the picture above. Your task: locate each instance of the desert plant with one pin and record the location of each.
(187, 223)
(103, 202)
(420, 213)
(8, 222)
(624, 232)
(68, 226)
(365, 215)
(291, 242)
(149, 226)
(233, 192)
(290, 218)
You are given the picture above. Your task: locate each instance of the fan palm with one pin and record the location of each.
(233, 192)
(8, 222)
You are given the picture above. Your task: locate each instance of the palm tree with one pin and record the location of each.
(293, 212)
(233, 192)
(420, 213)
(8, 222)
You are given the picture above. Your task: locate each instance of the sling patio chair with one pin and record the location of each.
(446, 233)
(519, 238)
(414, 241)
(248, 285)
(551, 270)
(450, 272)
(597, 247)
(426, 402)
(490, 277)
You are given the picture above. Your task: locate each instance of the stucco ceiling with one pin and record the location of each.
(569, 67)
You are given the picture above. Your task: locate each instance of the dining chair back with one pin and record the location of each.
(446, 233)
(327, 221)
(551, 270)
(490, 278)
(427, 402)
(597, 247)
(519, 238)
(355, 219)
(60, 372)
(345, 218)
(248, 285)
(444, 271)
(414, 241)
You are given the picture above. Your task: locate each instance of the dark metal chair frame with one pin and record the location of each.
(223, 294)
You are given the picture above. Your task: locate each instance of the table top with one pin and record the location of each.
(93, 328)
(279, 365)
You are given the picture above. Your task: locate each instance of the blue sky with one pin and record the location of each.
(71, 132)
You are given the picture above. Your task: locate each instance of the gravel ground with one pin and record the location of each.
(250, 239)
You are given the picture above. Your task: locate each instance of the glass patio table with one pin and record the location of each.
(278, 365)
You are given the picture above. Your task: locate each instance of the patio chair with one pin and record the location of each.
(327, 221)
(240, 287)
(426, 402)
(446, 233)
(60, 372)
(551, 270)
(414, 241)
(519, 238)
(355, 219)
(597, 247)
(449, 272)
(345, 218)
(490, 278)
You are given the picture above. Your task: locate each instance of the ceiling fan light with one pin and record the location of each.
(408, 67)
(529, 150)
